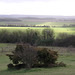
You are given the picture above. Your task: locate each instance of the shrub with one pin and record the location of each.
(32, 36)
(46, 56)
(47, 37)
(4, 36)
(61, 64)
(25, 54)
(65, 39)
(10, 66)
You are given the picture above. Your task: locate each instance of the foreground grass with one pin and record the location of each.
(68, 59)
(6, 48)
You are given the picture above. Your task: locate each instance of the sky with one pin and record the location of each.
(37, 7)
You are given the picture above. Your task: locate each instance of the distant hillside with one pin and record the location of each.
(36, 16)
(8, 19)
(35, 20)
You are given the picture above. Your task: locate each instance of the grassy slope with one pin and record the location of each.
(64, 55)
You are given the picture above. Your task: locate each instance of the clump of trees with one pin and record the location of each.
(64, 39)
(47, 37)
(27, 56)
(33, 37)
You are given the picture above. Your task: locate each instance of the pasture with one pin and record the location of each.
(66, 55)
(56, 24)
(57, 30)
(58, 27)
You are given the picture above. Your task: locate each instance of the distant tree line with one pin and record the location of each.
(8, 19)
(17, 25)
(33, 37)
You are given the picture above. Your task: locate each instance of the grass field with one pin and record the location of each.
(57, 29)
(35, 22)
(68, 59)
(57, 24)
(20, 23)
(66, 55)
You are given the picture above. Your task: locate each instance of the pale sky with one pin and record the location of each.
(37, 7)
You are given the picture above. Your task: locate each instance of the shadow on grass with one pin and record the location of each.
(14, 71)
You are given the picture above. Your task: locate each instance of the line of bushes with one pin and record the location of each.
(45, 38)
(64, 39)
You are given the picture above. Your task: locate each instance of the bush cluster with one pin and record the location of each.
(46, 56)
(64, 39)
(24, 54)
(27, 56)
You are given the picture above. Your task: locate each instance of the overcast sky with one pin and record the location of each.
(38, 7)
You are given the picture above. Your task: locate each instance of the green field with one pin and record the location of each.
(68, 57)
(20, 23)
(57, 30)
(58, 27)
(57, 24)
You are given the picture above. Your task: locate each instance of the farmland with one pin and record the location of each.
(66, 54)
(59, 25)
(57, 30)
(38, 24)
